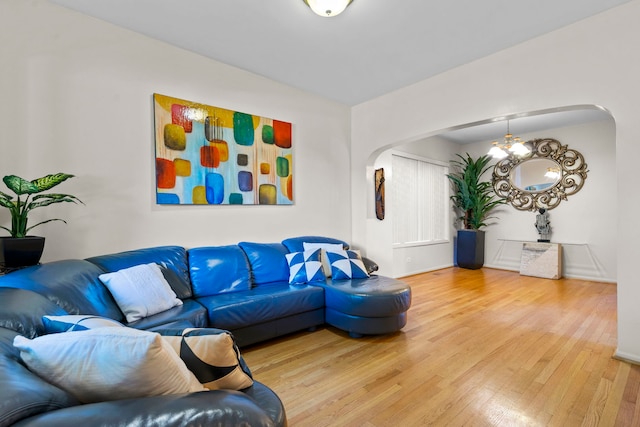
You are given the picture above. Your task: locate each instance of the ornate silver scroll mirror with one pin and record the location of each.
(544, 177)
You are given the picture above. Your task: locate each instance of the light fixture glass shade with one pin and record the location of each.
(328, 8)
(518, 148)
(497, 152)
(552, 173)
(513, 145)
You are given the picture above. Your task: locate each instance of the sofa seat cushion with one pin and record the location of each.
(376, 296)
(190, 314)
(261, 304)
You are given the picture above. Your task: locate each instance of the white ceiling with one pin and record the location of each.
(491, 130)
(374, 47)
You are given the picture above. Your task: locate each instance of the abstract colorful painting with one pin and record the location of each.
(212, 156)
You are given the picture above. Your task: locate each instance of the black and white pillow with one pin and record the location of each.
(212, 355)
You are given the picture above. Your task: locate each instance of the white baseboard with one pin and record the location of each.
(502, 267)
(591, 278)
(411, 273)
(627, 357)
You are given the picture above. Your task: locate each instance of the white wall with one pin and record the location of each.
(404, 261)
(77, 97)
(592, 62)
(584, 223)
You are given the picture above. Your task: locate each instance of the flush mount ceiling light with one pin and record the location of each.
(328, 8)
(511, 144)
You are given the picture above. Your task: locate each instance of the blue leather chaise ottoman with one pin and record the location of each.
(364, 306)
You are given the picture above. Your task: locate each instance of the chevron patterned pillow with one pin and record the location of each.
(305, 267)
(346, 265)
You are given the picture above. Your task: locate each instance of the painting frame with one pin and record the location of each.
(207, 155)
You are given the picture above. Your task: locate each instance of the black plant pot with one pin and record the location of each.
(16, 252)
(470, 249)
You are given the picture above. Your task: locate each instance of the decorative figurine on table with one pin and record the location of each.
(543, 225)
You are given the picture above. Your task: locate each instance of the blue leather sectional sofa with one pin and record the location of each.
(242, 288)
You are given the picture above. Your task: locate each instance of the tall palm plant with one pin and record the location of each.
(473, 198)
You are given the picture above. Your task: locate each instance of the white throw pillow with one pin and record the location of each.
(324, 247)
(140, 291)
(108, 364)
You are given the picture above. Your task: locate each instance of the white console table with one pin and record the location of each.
(541, 259)
(578, 261)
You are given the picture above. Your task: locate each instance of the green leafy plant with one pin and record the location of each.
(27, 198)
(473, 198)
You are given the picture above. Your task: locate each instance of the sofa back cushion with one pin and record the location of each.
(268, 262)
(171, 259)
(72, 284)
(218, 269)
(296, 244)
(22, 310)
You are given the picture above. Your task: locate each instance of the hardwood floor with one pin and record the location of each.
(481, 348)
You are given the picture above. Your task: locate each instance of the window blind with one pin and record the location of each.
(419, 201)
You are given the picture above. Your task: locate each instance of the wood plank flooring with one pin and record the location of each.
(481, 348)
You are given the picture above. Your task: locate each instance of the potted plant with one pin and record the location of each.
(20, 249)
(474, 200)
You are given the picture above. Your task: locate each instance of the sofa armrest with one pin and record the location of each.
(216, 407)
(370, 265)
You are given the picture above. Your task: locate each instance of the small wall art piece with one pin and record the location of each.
(213, 156)
(379, 193)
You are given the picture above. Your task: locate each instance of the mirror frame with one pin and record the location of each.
(573, 173)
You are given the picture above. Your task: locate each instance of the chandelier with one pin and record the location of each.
(553, 173)
(328, 8)
(511, 144)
